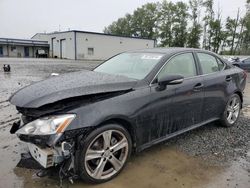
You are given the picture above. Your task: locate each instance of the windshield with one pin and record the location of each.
(132, 65)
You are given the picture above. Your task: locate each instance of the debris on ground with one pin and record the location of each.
(6, 68)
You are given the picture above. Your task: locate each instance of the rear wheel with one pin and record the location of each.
(104, 153)
(232, 111)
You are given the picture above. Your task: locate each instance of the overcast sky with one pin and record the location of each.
(24, 18)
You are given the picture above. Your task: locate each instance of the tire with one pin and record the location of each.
(231, 110)
(95, 152)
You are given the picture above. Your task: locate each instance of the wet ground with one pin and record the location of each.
(210, 156)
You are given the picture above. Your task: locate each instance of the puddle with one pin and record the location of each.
(160, 166)
(236, 176)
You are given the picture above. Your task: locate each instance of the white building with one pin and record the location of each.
(10, 47)
(90, 45)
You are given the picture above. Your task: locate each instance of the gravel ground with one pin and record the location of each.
(215, 144)
(225, 152)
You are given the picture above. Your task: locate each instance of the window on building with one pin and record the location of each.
(12, 48)
(208, 63)
(90, 51)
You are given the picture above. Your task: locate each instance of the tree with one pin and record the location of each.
(224, 36)
(245, 43)
(231, 27)
(166, 20)
(142, 23)
(173, 27)
(180, 24)
(209, 17)
(123, 27)
(145, 20)
(216, 33)
(168, 23)
(194, 35)
(240, 36)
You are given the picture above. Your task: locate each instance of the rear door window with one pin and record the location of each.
(208, 63)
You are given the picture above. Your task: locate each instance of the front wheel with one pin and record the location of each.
(232, 111)
(104, 153)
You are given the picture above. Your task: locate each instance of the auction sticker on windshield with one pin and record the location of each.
(151, 57)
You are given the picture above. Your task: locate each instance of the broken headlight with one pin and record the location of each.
(47, 125)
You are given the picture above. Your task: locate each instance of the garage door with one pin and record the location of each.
(1, 51)
(53, 47)
(63, 48)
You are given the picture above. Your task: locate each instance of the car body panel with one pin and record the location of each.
(69, 85)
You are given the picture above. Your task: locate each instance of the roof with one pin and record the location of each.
(167, 50)
(25, 42)
(95, 33)
(170, 50)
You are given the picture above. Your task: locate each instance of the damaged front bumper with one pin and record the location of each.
(54, 151)
(46, 157)
(47, 150)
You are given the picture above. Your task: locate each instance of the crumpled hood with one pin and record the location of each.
(69, 85)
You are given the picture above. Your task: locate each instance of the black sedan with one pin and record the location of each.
(89, 122)
(243, 64)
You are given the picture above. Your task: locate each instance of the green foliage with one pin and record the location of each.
(144, 20)
(179, 25)
(195, 31)
(166, 19)
(123, 26)
(245, 35)
(216, 34)
(208, 22)
(142, 23)
(173, 27)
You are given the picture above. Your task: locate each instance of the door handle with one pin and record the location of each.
(228, 78)
(198, 87)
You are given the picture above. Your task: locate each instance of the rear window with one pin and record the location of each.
(220, 64)
(208, 63)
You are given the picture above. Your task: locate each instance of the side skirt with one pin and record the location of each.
(147, 145)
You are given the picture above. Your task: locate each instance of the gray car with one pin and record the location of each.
(243, 64)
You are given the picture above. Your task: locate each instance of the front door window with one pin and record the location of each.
(183, 65)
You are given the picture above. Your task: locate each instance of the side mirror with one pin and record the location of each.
(169, 80)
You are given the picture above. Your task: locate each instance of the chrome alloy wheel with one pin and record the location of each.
(106, 154)
(233, 110)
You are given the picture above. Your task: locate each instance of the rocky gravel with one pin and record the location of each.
(217, 145)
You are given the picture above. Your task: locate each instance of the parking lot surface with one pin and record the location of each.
(210, 156)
